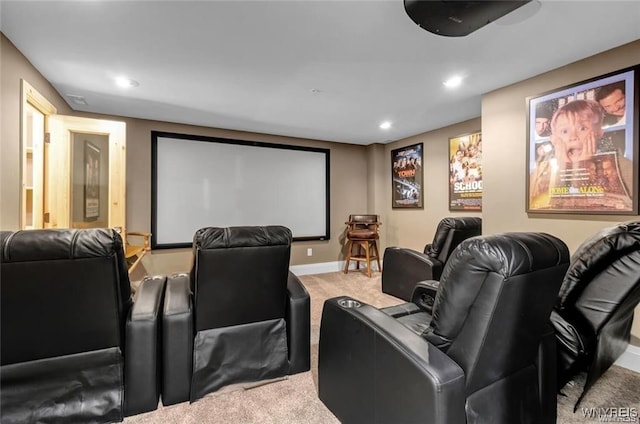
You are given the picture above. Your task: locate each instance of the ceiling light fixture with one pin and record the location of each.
(453, 82)
(126, 82)
(385, 125)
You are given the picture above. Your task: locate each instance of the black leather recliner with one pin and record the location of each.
(75, 347)
(403, 267)
(486, 354)
(240, 316)
(594, 311)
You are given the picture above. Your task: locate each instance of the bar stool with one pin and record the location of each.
(362, 233)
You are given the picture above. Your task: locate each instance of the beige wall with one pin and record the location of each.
(348, 169)
(504, 153)
(503, 127)
(504, 162)
(13, 67)
(360, 176)
(415, 227)
(348, 174)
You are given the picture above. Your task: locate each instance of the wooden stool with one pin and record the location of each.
(362, 233)
(366, 251)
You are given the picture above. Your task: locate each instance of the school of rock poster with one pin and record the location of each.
(465, 173)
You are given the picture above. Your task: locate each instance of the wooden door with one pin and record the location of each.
(86, 173)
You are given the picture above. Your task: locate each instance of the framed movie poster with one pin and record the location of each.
(582, 154)
(406, 177)
(91, 182)
(465, 172)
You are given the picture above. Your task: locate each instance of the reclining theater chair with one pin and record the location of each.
(594, 311)
(403, 268)
(485, 355)
(75, 348)
(240, 316)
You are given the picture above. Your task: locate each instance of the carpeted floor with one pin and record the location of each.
(294, 400)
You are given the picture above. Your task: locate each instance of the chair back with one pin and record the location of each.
(493, 304)
(604, 277)
(62, 292)
(363, 227)
(450, 233)
(594, 310)
(239, 275)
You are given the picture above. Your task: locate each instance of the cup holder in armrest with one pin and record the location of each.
(349, 303)
(426, 301)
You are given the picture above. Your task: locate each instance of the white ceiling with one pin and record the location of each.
(255, 65)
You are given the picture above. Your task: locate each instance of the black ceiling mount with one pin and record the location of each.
(457, 18)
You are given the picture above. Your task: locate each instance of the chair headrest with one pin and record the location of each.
(499, 258)
(463, 224)
(221, 238)
(54, 244)
(507, 254)
(594, 255)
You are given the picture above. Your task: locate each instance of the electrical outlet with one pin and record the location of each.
(309, 252)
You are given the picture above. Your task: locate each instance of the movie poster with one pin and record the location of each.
(406, 173)
(594, 183)
(91, 182)
(582, 152)
(465, 172)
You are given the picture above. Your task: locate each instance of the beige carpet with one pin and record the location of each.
(294, 399)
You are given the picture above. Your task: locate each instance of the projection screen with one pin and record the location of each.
(202, 181)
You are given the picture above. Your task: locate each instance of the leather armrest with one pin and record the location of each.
(575, 339)
(177, 340)
(365, 353)
(424, 294)
(298, 325)
(403, 268)
(546, 362)
(142, 361)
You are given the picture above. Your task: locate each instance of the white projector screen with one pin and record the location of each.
(212, 182)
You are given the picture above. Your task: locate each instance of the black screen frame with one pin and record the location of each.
(155, 135)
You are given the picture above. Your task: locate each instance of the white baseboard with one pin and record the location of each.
(320, 268)
(630, 358)
(323, 268)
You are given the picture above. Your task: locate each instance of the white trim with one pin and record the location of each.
(323, 268)
(319, 268)
(630, 358)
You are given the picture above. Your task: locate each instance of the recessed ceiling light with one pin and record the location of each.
(126, 82)
(385, 125)
(453, 82)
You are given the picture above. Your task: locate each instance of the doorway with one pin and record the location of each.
(73, 168)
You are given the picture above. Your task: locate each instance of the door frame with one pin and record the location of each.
(33, 156)
(50, 162)
(62, 129)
